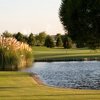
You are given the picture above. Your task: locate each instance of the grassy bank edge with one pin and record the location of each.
(59, 54)
(68, 58)
(22, 86)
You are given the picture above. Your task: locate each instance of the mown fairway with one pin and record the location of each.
(60, 53)
(20, 86)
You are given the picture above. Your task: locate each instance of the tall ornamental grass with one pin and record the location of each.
(14, 55)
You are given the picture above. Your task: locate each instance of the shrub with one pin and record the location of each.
(14, 55)
(59, 42)
(49, 42)
(67, 42)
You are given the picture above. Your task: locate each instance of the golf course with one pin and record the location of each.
(49, 49)
(24, 86)
(61, 54)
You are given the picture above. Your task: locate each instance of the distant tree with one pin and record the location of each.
(81, 18)
(31, 40)
(20, 37)
(42, 37)
(7, 34)
(49, 42)
(67, 42)
(25, 38)
(59, 42)
(37, 41)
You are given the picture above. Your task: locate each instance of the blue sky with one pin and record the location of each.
(30, 16)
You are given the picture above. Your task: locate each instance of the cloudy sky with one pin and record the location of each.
(30, 16)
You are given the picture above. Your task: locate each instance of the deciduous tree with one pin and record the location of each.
(49, 42)
(81, 18)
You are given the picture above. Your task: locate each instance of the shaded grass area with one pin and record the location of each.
(60, 54)
(20, 86)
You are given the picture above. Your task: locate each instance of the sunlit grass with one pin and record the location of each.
(20, 86)
(61, 53)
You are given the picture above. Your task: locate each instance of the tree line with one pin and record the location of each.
(81, 21)
(42, 39)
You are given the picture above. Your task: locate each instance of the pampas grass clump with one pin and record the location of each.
(14, 55)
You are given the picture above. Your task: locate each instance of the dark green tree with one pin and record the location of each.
(81, 18)
(20, 37)
(59, 42)
(49, 42)
(31, 40)
(37, 40)
(67, 42)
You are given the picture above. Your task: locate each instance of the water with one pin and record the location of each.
(80, 75)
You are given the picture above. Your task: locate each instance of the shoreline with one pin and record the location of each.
(36, 78)
(68, 59)
(38, 81)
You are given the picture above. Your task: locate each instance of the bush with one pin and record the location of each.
(59, 42)
(49, 42)
(14, 55)
(67, 42)
(8, 59)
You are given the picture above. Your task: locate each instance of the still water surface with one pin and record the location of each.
(81, 75)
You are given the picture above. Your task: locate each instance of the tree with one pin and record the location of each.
(42, 37)
(81, 18)
(20, 37)
(59, 42)
(31, 40)
(7, 34)
(49, 42)
(67, 42)
(37, 40)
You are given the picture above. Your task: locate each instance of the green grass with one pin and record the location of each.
(43, 53)
(20, 86)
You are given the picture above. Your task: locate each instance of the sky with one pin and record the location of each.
(28, 16)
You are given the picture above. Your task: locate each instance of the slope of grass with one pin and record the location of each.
(20, 86)
(43, 53)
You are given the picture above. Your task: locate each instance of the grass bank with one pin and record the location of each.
(60, 54)
(20, 86)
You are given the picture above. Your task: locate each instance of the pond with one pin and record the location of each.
(74, 74)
